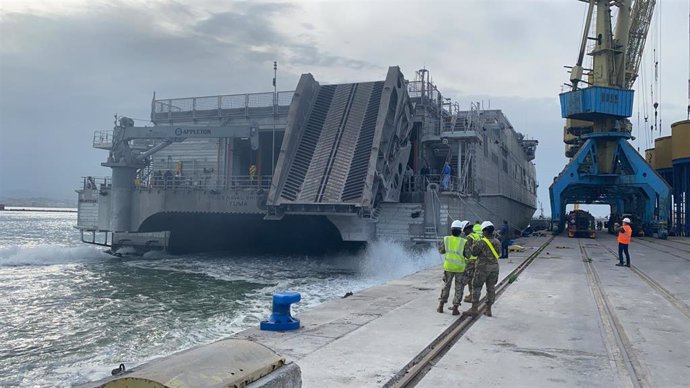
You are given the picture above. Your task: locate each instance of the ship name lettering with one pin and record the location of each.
(191, 131)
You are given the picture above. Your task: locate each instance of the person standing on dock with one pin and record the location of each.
(624, 236)
(454, 248)
(477, 233)
(486, 269)
(505, 239)
(472, 238)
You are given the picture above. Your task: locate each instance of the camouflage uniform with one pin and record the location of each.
(469, 268)
(460, 278)
(486, 270)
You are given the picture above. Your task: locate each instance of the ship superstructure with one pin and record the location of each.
(319, 167)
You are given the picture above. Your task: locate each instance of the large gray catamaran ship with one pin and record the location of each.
(320, 167)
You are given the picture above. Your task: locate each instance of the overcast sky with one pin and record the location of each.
(66, 67)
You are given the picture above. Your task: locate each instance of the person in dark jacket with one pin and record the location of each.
(505, 239)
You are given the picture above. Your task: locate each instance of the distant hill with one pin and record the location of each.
(37, 202)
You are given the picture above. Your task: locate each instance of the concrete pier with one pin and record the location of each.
(365, 339)
(565, 322)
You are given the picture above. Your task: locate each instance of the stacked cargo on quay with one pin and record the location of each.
(325, 166)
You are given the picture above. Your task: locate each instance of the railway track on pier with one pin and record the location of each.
(668, 295)
(656, 244)
(630, 365)
(620, 345)
(420, 365)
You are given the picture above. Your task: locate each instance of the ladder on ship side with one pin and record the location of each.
(464, 184)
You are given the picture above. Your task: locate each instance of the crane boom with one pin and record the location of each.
(641, 18)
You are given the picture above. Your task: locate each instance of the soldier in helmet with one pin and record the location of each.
(471, 237)
(474, 235)
(454, 247)
(486, 268)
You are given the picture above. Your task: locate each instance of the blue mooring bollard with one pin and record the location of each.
(280, 319)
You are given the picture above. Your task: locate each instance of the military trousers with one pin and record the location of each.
(481, 277)
(469, 274)
(448, 278)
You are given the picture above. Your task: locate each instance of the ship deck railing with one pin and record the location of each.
(213, 107)
(430, 182)
(95, 183)
(192, 181)
(204, 182)
(103, 139)
(183, 182)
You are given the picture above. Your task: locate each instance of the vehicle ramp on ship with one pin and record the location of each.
(345, 147)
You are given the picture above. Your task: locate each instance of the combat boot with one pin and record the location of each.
(473, 311)
(487, 312)
(455, 309)
(440, 308)
(468, 299)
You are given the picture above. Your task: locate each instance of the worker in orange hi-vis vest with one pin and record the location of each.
(624, 235)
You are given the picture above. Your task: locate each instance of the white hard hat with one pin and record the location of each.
(456, 224)
(486, 224)
(464, 224)
(626, 220)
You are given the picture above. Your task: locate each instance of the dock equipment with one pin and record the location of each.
(681, 176)
(670, 157)
(281, 319)
(604, 168)
(581, 223)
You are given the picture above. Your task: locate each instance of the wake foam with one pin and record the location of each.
(382, 261)
(48, 254)
(387, 260)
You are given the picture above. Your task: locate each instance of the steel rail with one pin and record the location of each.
(668, 295)
(646, 243)
(421, 364)
(612, 325)
(667, 243)
(679, 241)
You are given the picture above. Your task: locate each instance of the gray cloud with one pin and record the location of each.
(247, 26)
(64, 75)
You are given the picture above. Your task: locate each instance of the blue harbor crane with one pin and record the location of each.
(604, 168)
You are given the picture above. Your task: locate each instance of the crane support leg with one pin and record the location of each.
(608, 170)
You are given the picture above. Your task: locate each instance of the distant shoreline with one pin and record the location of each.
(37, 209)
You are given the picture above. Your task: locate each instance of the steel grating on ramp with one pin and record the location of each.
(344, 146)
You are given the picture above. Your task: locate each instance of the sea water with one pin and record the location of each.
(69, 312)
